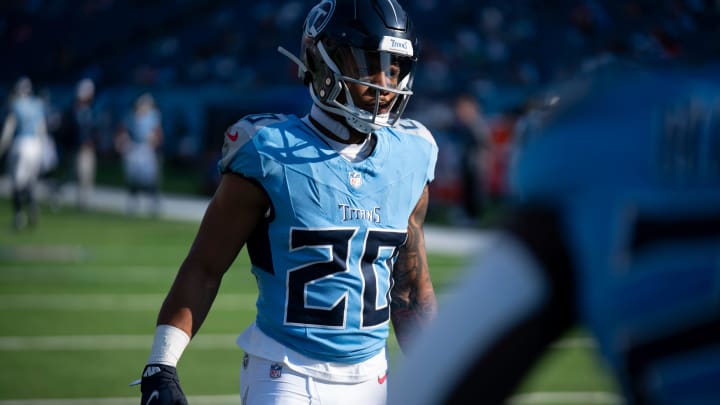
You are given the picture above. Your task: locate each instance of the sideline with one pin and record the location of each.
(438, 239)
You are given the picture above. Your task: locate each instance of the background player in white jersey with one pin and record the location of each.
(615, 225)
(24, 132)
(331, 207)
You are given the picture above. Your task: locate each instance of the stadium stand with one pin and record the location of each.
(206, 60)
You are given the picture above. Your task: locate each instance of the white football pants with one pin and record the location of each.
(24, 161)
(265, 382)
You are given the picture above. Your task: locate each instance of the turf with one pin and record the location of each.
(80, 292)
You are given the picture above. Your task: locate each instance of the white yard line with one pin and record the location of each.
(570, 398)
(206, 341)
(113, 302)
(198, 399)
(532, 398)
(203, 341)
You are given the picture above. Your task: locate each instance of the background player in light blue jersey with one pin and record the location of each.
(331, 208)
(615, 225)
(24, 134)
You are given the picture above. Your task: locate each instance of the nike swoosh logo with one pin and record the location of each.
(155, 395)
(381, 380)
(231, 136)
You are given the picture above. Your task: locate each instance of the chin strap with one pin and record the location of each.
(334, 126)
(360, 125)
(352, 121)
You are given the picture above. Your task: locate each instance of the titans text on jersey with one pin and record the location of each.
(350, 213)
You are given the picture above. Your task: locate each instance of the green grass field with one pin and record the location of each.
(79, 295)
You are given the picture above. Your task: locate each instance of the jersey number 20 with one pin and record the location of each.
(337, 242)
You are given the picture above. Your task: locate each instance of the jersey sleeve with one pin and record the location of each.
(422, 134)
(240, 154)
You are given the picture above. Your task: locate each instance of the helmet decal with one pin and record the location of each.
(319, 17)
(396, 45)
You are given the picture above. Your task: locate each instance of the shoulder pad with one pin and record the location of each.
(239, 133)
(413, 127)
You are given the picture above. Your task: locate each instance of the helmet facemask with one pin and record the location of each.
(369, 88)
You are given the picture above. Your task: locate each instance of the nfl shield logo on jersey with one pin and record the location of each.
(355, 179)
(275, 370)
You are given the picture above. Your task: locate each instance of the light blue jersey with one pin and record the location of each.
(323, 259)
(633, 173)
(30, 115)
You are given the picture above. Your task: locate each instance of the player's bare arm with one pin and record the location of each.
(413, 296)
(233, 213)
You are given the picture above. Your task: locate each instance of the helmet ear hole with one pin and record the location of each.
(309, 60)
(307, 78)
(310, 67)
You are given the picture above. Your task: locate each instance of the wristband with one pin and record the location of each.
(168, 345)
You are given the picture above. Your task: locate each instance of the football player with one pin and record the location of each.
(24, 133)
(331, 208)
(616, 226)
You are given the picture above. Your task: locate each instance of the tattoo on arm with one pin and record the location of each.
(413, 297)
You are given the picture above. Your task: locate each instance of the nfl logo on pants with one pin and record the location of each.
(275, 370)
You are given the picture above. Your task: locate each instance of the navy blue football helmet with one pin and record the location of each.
(351, 42)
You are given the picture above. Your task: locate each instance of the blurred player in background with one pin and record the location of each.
(331, 207)
(616, 226)
(472, 131)
(77, 140)
(139, 141)
(24, 133)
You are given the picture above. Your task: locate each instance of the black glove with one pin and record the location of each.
(160, 386)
